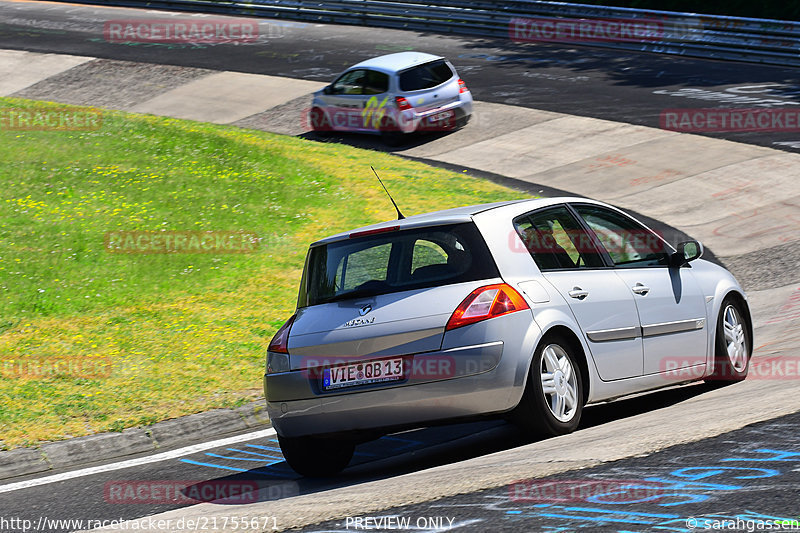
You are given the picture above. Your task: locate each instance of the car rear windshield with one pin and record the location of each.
(395, 261)
(425, 76)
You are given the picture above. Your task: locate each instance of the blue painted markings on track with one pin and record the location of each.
(676, 489)
(272, 462)
(777, 455)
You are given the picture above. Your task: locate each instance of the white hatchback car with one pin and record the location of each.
(529, 309)
(392, 95)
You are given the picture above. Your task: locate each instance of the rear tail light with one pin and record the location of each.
(487, 302)
(402, 103)
(462, 87)
(280, 341)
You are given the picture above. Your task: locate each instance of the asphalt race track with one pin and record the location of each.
(649, 463)
(257, 463)
(740, 478)
(248, 464)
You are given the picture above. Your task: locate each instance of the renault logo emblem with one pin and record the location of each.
(364, 310)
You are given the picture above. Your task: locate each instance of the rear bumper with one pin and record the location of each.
(414, 120)
(480, 381)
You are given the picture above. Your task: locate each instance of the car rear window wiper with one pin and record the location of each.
(359, 293)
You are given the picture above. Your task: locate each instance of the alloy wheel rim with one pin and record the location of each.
(559, 383)
(735, 340)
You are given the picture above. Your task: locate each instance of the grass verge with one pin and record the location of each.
(94, 341)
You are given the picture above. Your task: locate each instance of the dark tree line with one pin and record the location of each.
(769, 9)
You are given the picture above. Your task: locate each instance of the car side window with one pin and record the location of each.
(556, 240)
(627, 242)
(376, 82)
(350, 82)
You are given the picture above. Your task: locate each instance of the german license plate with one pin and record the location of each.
(362, 373)
(439, 117)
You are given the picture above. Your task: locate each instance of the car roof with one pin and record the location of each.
(453, 216)
(396, 62)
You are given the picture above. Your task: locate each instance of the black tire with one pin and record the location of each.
(733, 345)
(319, 121)
(537, 411)
(461, 119)
(390, 133)
(315, 456)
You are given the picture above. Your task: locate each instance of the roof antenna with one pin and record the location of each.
(399, 214)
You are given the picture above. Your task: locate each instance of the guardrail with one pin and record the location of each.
(710, 36)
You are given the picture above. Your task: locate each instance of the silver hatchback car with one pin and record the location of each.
(393, 95)
(527, 309)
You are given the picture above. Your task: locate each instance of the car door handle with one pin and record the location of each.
(578, 293)
(640, 289)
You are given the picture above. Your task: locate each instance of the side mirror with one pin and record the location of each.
(328, 89)
(687, 251)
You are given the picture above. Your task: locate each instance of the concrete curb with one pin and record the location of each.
(105, 446)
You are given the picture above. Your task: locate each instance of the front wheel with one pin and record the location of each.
(319, 122)
(315, 456)
(733, 345)
(553, 399)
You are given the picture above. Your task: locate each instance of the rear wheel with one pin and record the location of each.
(461, 119)
(315, 456)
(390, 133)
(733, 345)
(553, 399)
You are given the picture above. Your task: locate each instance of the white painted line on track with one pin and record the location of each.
(180, 452)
